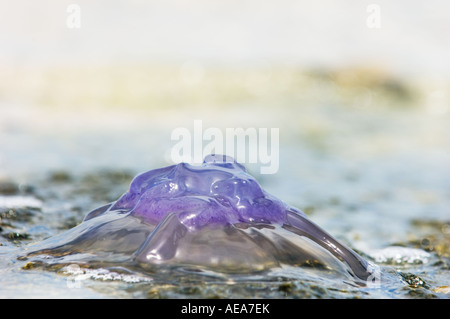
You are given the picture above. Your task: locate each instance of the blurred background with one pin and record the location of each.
(359, 91)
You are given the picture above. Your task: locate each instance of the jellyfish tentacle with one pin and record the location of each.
(304, 227)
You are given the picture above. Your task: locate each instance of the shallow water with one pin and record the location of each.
(368, 166)
(417, 267)
(363, 115)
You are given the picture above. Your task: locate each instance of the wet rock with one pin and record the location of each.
(18, 214)
(286, 288)
(421, 294)
(432, 236)
(60, 177)
(442, 290)
(9, 188)
(12, 188)
(413, 281)
(29, 265)
(16, 236)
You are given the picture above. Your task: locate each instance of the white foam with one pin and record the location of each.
(19, 201)
(78, 274)
(400, 255)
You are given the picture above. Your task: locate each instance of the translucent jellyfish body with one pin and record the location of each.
(215, 216)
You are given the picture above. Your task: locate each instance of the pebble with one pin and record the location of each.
(442, 290)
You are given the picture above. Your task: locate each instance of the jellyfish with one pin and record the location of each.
(214, 216)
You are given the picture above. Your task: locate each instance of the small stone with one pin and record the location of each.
(442, 290)
(414, 281)
(29, 265)
(8, 188)
(286, 287)
(60, 177)
(16, 236)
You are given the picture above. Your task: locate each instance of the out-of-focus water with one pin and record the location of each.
(370, 169)
(363, 116)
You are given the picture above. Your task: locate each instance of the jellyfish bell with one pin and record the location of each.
(214, 216)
